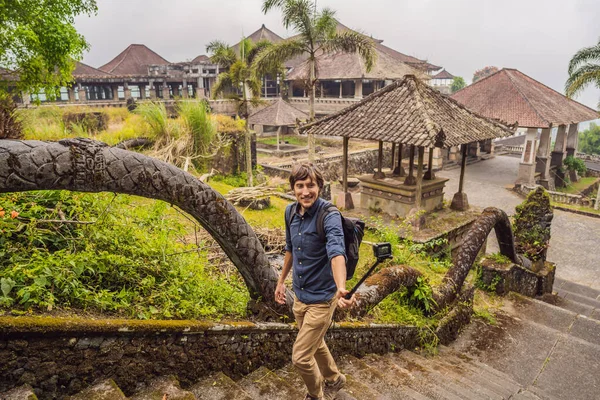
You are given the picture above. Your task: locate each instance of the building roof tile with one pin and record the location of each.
(513, 97)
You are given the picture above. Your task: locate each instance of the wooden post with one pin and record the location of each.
(345, 165)
(344, 199)
(393, 156)
(399, 171)
(419, 191)
(429, 175)
(379, 174)
(410, 179)
(460, 201)
(278, 130)
(463, 166)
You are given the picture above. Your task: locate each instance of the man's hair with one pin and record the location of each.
(302, 171)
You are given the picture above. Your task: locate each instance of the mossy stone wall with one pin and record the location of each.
(61, 357)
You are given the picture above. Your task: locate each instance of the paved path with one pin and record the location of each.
(575, 242)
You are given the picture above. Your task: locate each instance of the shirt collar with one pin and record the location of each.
(312, 209)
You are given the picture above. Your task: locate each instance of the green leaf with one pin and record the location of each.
(6, 284)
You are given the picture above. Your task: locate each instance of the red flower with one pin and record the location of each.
(14, 214)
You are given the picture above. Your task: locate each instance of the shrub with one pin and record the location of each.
(128, 259)
(575, 164)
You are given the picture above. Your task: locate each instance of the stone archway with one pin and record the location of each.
(89, 166)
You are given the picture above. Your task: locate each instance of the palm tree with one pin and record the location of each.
(240, 82)
(317, 35)
(584, 70)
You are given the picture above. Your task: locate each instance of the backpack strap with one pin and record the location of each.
(321, 219)
(289, 214)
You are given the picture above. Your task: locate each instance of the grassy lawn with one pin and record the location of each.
(291, 139)
(577, 187)
(578, 208)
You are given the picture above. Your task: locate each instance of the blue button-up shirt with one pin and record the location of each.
(311, 257)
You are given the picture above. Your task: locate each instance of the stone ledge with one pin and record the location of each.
(515, 278)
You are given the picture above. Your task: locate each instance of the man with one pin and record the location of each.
(319, 281)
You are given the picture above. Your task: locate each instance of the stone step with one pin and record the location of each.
(476, 371)
(461, 377)
(105, 390)
(218, 387)
(416, 380)
(409, 360)
(265, 384)
(576, 288)
(166, 386)
(377, 379)
(24, 392)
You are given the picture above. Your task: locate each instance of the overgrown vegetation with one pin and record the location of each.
(531, 236)
(575, 164)
(117, 255)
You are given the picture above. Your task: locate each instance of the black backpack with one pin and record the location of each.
(354, 230)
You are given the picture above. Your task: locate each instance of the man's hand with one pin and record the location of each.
(342, 302)
(280, 293)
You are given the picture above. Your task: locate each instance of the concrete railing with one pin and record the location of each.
(559, 197)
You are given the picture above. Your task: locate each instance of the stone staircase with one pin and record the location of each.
(537, 350)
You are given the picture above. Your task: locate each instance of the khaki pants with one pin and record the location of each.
(310, 354)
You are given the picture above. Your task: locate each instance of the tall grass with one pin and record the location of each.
(200, 125)
(156, 117)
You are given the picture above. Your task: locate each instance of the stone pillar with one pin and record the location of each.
(184, 89)
(358, 89)
(126, 91)
(340, 89)
(26, 98)
(71, 92)
(115, 90)
(527, 166)
(200, 94)
(543, 160)
(572, 140)
(558, 154)
(142, 89)
(81, 93)
(165, 91)
(453, 153)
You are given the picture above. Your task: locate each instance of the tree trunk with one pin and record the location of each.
(89, 166)
(491, 218)
(311, 111)
(248, 138)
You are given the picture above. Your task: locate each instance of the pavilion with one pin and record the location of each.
(515, 98)
(407, 112)
(279, 117)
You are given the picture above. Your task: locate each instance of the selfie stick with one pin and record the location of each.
(382, 251)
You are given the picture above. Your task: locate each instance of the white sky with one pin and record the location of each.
(537, 37)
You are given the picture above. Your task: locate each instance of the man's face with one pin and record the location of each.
(306, 192)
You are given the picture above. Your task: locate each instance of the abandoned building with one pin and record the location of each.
(140, 73)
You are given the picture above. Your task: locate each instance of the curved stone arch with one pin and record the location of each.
(491, 218)
(90, 166)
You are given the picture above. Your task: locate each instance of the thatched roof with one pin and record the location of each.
(134, 60)
(203, 58)
(409, 112)
(351, 66)
(263, 33)
(511, 96)
(280, 113)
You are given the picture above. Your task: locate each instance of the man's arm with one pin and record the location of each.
(338, 266)
(287, 266)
